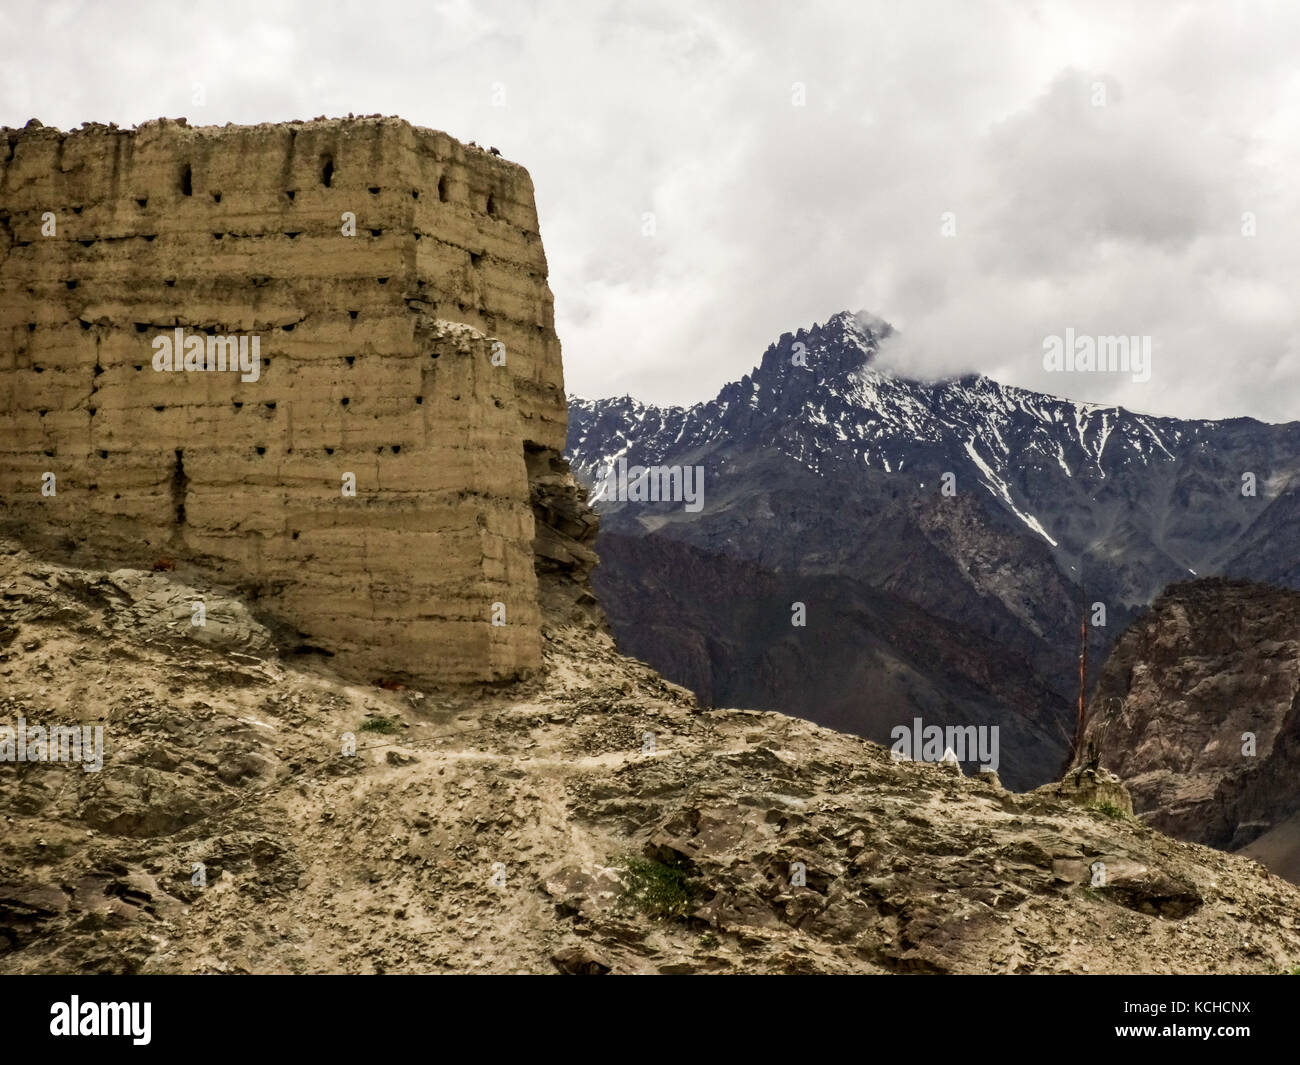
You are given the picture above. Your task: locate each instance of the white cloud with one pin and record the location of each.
(1118, 219)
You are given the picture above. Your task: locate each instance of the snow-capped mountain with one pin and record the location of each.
(1087, 480)
(995, 510)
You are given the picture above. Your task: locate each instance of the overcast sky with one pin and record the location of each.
(1094, 159)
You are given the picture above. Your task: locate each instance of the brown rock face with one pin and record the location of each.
(1196, 710)
(393, 286)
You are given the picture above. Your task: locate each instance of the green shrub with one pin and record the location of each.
(655, 888)
(1111, 810)
(386, 725)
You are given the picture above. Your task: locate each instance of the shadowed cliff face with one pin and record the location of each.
(1198, 710)
(866, 660)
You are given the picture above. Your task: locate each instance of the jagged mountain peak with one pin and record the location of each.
(826, 351)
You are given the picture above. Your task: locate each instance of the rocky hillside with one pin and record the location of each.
(821, 467)
(1198, 710)
(590, 820)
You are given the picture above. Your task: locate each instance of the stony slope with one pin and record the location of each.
(222, 753)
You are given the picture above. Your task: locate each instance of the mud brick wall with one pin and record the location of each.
(380, 356)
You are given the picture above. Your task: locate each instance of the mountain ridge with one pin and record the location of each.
(817, 463)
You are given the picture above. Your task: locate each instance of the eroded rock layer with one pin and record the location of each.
(394, 282)
(1198, 710)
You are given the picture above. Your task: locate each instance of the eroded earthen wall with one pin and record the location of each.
(418, 354)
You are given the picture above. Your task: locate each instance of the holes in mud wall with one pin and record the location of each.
(329, 451)
(291, 193)
(70, 285)
(216, 197)
(295, 235)
(376, 232)
(396, 449)
(491, 206)
(345, 401)
(442, 189)
(239, 404)
(349, 359)
(170, 282)
(77, 210)
(261, 449)
(419, 400)
(150, 238)
(353, 315)
(140, 327)
(180, 486)
(187, 181)
(269, 405)
(415, 194)
(373, 190)
(475, 258)
(142, 201)
(327, 170)
(382, 280)
(31, 327)
(217, 236)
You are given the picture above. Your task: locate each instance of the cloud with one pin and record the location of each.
(797, 161)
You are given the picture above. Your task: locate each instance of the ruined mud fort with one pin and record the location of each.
(391, 284)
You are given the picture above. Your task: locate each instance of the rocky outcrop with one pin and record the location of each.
(254, 814)
(363, 483)
(564, 543)
(1198, 710)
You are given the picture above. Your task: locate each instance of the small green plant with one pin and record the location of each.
(1293, 971)
(708, 941)
(656, 888)
(1110, 809)
(385, 725)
